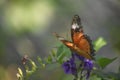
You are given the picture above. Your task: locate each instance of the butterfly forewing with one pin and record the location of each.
(74, 48)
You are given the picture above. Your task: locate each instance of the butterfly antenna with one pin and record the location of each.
(59, 37)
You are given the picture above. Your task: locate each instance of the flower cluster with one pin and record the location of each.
(70, 67)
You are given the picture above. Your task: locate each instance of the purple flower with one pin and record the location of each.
(66, 67)
(70, 67)
(88, 65)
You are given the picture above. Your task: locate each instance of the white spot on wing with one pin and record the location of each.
(74, 26)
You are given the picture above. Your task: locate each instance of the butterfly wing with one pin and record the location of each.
(74, 48)
(80, 40)
(84, 44)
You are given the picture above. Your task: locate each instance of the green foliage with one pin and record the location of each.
(107, 76)
(53, 53)
(63, 49)
(60, 57)
(94, 77)
(39, 60)
(62, 52)
(19, 74)
(99, 43)
(103, 62)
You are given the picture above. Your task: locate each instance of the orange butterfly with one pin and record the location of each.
(80, 44)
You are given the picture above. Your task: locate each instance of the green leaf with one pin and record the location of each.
(19, 76)
(62, 52)
(50, 58)
(60, 49)
(34, 66)
(95, 77)
(99, 73)
(20, 72)
(99, 43)
(53, 53)
(67, 51)
(29, 72)
(103, 62)
(39, 60)
(61, 57)
(43, 65)
(107, 75)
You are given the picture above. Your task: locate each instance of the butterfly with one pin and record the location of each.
(81, 43)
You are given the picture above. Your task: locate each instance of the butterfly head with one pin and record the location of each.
(76, 23)
(76, 20)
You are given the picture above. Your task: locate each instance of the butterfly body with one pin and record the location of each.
(78, 36)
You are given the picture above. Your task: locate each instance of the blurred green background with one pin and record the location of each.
(26, 27)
